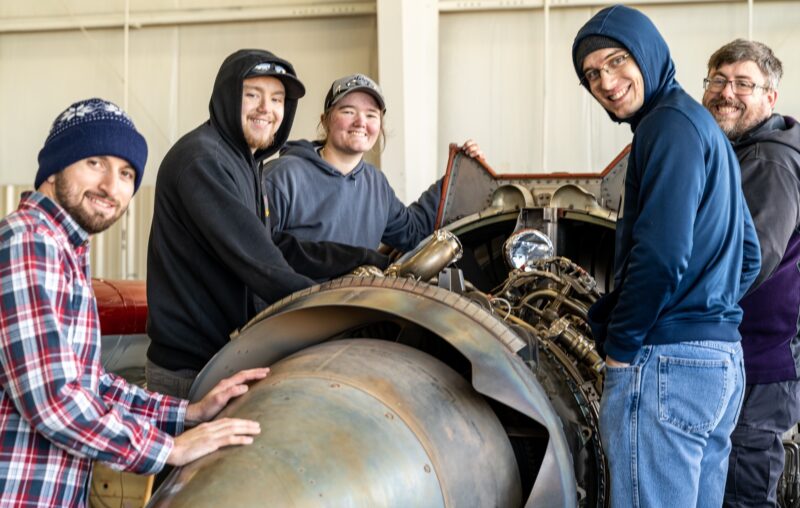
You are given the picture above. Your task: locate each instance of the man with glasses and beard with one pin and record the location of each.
(686, 253)
(59, 409)
(740, 92)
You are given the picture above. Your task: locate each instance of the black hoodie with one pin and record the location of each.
(210, 248)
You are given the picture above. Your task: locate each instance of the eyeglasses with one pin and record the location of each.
(613, 66)
(739, 86)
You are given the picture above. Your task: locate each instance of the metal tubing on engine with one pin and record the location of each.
(443, 249)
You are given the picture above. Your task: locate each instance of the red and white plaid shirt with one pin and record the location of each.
(59, 409)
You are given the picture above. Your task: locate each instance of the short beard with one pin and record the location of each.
(71, 202)
(740, 127)
(256, 143)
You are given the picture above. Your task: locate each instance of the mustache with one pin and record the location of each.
(726, 102)
(102, 195)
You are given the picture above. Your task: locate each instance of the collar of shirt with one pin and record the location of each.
(76, 235)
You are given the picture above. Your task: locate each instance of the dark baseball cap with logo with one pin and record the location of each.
(354, 83)
(294, 88)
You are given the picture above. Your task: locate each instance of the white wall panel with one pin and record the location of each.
(46, 8)
(41, 76)
(491, 75)
(490, 85)
(320, 50)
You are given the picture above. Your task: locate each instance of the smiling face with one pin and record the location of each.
(737, 114)
(620, 92)
(95, 191)
(263, 100)
(353, 124)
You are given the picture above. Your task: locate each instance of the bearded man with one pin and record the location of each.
(741, 90)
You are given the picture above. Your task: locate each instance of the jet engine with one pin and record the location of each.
(464, 375)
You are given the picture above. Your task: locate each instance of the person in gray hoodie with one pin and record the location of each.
(325, 190)
(741, 90)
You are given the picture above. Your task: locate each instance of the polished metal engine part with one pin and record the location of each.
(358, 423)
(553, 298)
(526, 246)
(441, 249)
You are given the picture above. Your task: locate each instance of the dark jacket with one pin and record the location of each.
(210, 249)
(312, 200)
(770, 160)
(686, 246)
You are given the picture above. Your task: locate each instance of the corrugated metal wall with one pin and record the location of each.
(120, 252)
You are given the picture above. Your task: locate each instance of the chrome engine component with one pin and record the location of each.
(526, 246)
(442, 249)
(359, 422)
(552, 298)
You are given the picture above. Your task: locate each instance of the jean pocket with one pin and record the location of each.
(692, 392)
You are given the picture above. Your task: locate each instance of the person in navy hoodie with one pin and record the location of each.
(741, 90)
(686, 253)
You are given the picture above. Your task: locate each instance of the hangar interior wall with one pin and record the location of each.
(502, 70)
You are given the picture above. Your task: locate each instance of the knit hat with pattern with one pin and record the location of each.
(90, 128)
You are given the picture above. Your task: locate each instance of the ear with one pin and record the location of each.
(772, 98)
(323, 124)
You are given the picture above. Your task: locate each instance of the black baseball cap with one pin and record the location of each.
(294, 88)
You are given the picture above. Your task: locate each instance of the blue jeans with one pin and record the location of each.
(666, 422)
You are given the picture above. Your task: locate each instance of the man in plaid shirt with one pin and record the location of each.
(59, 409)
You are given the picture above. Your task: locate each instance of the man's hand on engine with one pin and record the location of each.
(221, 394)
(211, 436)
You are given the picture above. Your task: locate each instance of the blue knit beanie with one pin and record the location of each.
(91, 128)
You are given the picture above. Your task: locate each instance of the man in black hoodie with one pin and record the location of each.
(210, 252)
(741, 91)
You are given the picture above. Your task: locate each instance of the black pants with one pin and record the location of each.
(757, 456)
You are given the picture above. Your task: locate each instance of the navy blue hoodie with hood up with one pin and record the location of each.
(686, 245)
